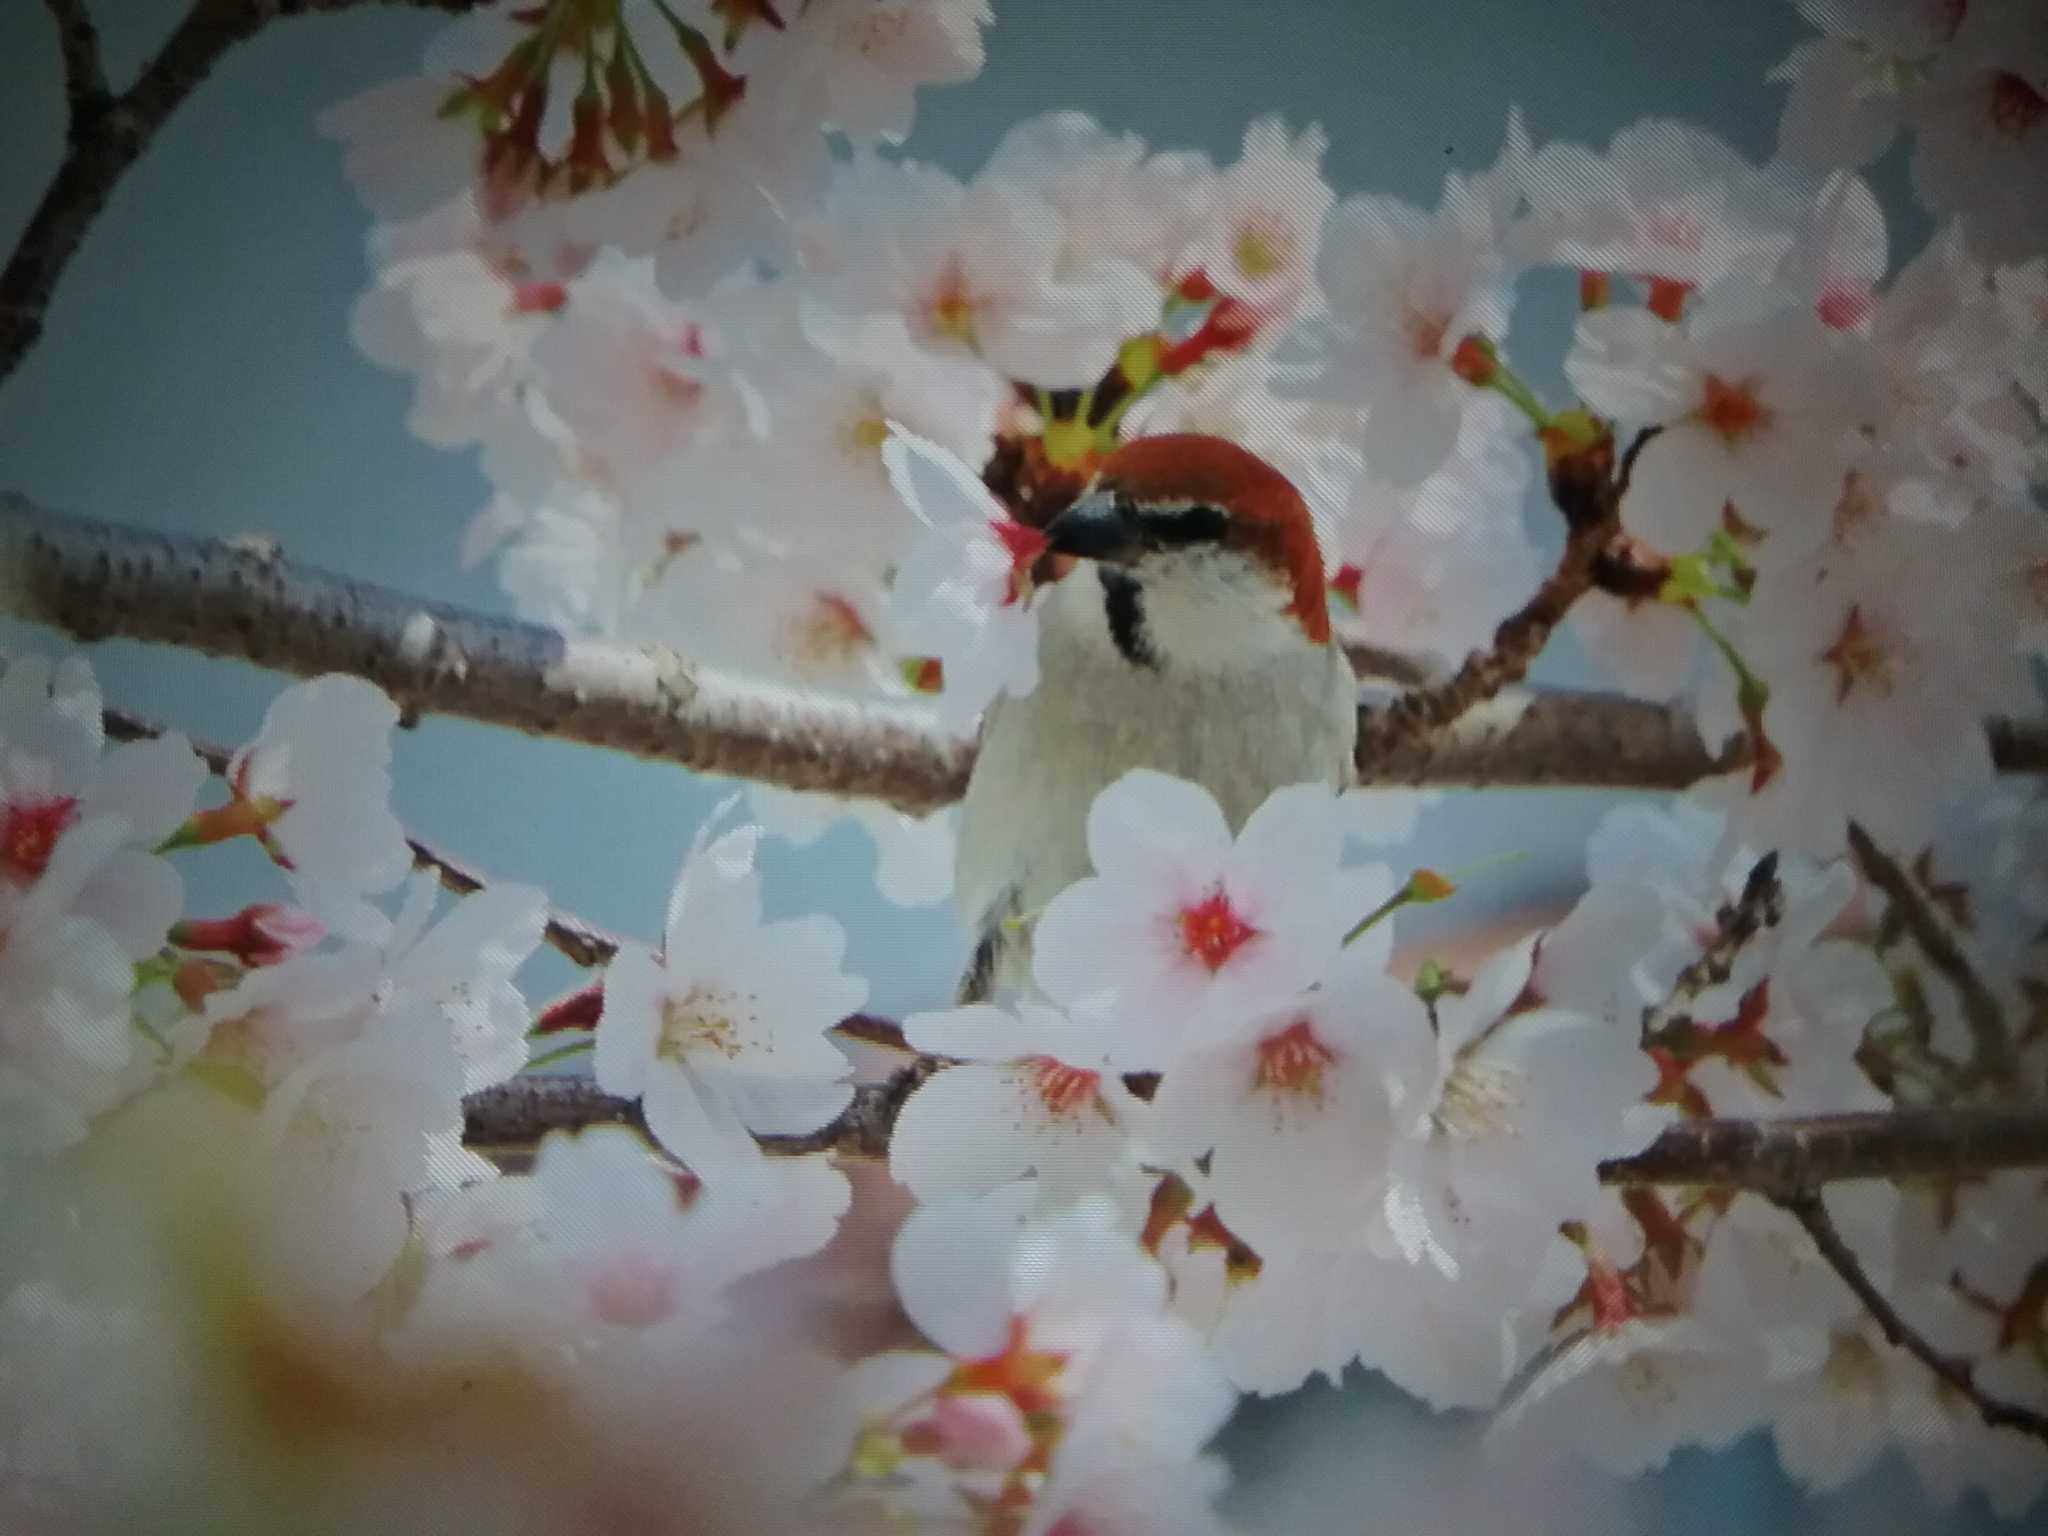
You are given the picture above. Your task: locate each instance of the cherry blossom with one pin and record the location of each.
(1527, 1101)
(962, 593)
(1263, 224)
(1838, 257)
(314, 787)
(1183, 933)
(66, 1038)
(832, 391)
(637, 380)
(1060, 1315)
(1299, 1114)
(1943, 438)
(1624, 1397)
(1982, 137)
(1852, 87)
(1109, 198)
(1753, 406)
(722, 1031)
(1435, 566)
(970, 271)
(865, 61)
(1668, 203)
(456, 974)
(1033, 1094)
(55, 785)
(402, 156)
(1404, 287)
(599, 1249)
(1852, 647)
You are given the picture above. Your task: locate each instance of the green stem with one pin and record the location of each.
(1513, 388)
(562, 1053)
(1106, 429)
(149, 1032)
(1751, 691)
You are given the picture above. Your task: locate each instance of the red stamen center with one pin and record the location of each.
(1063, 1088)
(29, 830)
(1211, 931)
(1859, 657)
(1733, 410)
(1027, 1376)
(1293, 1060)
(1844, 306)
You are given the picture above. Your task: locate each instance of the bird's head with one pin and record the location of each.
(1203, 551)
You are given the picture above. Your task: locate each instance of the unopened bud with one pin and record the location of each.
(1476, 360)
(262, 934)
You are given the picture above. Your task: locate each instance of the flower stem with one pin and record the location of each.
(562, 1053)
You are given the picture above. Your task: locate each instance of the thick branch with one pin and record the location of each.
(1550, 736)
(508, 1121)
(1994, 1055)
(1775, 1158)
(581, 942)
(106, 135)
(1781, 1157)
(1812, 1213)
(98, 580)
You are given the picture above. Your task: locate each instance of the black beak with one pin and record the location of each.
(1097, 527)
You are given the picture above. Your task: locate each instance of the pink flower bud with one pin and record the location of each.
(975, 1431)
(262, 934)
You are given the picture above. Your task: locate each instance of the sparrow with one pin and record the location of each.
(1191, 635)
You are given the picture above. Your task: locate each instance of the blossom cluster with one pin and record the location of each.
(242, 1236)
(1332, 1164)
(661, 431)
(803, 417)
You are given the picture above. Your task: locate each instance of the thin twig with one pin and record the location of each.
(1586, 489)
(102, 144)
(85, 78)
(1381, 663)
(1811, 1212)
(584, 943)
(1994, 1061)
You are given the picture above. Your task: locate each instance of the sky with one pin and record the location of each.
(197, 376)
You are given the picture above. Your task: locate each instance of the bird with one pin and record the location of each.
(1190, 635)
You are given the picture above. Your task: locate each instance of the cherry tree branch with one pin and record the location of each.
(584, 943)
(106, 134)
(1981, 1011)
(1783, 1156)
(85, 79)
(1587, 482)
(1811, 1212)
(98, 580)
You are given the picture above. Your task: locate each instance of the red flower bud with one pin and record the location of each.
(262, 934)
(578, 1010)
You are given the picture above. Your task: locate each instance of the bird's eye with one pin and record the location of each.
(1177, 526)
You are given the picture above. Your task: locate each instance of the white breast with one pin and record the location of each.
(1241, 722)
